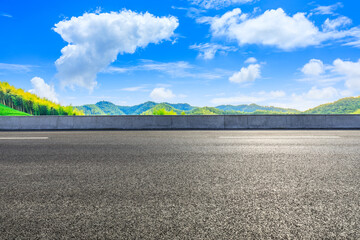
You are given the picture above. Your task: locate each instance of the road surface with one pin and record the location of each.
(180, 185)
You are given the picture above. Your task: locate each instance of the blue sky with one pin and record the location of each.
(294, 54)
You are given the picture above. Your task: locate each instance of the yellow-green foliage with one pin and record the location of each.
(162, 111)
(18, 99)
(356, 112)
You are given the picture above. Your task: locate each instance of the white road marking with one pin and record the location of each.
(281, 137)
(23, 138)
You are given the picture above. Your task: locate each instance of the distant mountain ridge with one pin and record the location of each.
(147, 108)
(349, 105)
(254, 107)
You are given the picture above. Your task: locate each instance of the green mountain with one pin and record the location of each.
(182, 106)
(254, 107)
(343, 106)
(137, 109)
(91, 109)
(6, 111)
(109, 108)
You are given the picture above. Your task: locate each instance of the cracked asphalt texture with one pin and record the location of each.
(180, 185)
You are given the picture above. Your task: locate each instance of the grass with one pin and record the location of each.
(6, 111)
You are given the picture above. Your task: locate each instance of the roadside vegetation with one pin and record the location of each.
(18, 99)
(6, 111)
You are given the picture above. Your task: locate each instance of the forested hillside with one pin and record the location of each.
(160, 107)
(343, 106)
(91, 109)
(206, 111)
(18, 99)
(101, 108)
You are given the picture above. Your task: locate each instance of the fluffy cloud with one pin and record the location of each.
(351, 72)
(96, 39)
(160, 94)
(314, 67)
(217, 4)
(43, 90)
(339, 70)
(276, 28)
(330, 25)
(324, 93)
(207, 51)
(246, 74)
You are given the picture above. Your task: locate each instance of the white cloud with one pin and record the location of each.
(330, 25)
(272, 94)
(191, 12)
(43, 90)
(175, 69)
(314, 67)
(246, 74)
(15, 67)
(95, 40)
(351, 72)
(355, 43)
(251, 60)
(276, 28)
(6, 15)
(217, 4)
(324, 93)
(327, 10)
(207, 51)
(160, 94)
(178, 69)
(339, 70)
(135, 89)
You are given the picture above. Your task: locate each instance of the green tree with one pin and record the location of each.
(163, 111)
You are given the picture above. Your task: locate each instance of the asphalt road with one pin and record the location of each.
(180, 185)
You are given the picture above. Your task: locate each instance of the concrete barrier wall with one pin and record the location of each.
(180, 122)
